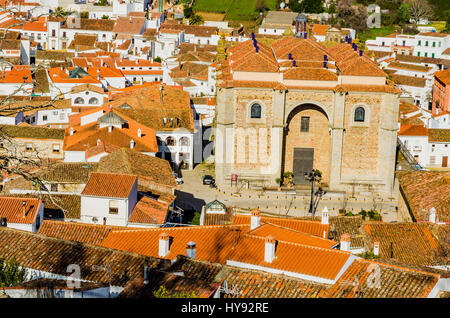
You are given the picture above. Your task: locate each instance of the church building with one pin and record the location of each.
(295, 105)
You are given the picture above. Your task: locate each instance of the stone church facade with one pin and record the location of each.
(340, 117)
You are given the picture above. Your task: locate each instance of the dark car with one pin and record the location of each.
(207, 179)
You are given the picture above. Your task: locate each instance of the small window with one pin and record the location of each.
(255, 111)
(56, 148)
(304, 127)
(113, 207)
(29, 147)
(359, 114)
(54, 187)
(44, 118)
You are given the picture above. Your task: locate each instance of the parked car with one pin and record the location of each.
(178, 179)
(207, 179)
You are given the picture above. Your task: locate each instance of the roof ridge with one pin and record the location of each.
(300, 244)
(182, 228)
(398, 267)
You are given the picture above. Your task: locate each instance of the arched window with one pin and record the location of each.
(170, 141)
(79, 100)
(93, 101)
(184, 141)
(359, 114)
(255, 111)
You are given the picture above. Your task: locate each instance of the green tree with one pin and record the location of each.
(332, 8)
(84, 15)
(105, 17)
(261, 5)
(403, 15)
(188, 12)
(101, 3)
(60, 12)
(10, 273)
(447, 24)
(311, 6)
(195, 19)
(163, 293)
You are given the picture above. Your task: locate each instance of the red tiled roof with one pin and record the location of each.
(360, 281)
(443, 76)
(12, 209)
(292, 257)
(79, 232)
(149, 211)
(305, 226)
(109, 185)
(413, 130)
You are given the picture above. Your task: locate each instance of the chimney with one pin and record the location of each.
(432, 218)
(4, 222)
(139, 132)
(71, 131)
(325, 57)
(165, 121)
(345, 242)
(190, 249)
(163, 244)
(290, 56)
(24, 210)
(110, 128)
(360, 52)
(294, 64)
(376, 248)
(131, 144)
(269, 252)
(98, 142)
(325, 64)
(161, 94)
(325, 216)
(255, 219)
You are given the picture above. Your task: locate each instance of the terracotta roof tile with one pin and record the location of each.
(149, 211)
(52, 255)
(14, 211)
(424, 190)
(109, 185)
(79, 232)
(443, 76)
(411, 243)
(396, 282)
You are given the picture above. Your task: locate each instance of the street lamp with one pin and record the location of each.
(313, 177)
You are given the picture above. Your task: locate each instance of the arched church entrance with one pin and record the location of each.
(307, 143)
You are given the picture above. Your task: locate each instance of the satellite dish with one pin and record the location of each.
(282, 5)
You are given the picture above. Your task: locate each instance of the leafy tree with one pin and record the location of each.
(403, 14)
(261, 5)
(101, 3)
(60, 12)
(195, 19)
(447, 24)
(332, 8)
(188, 12)
(311, 6)
(105, 17)
(84, 15)
(351, 16)
(10, 273)
(157, 59)
(163, 293)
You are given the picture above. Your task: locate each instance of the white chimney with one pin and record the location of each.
(376, 248)
(131, 144)
(163, 244)
(110, 128)
(345, 242)
(71, 131)
(325, 216)
(432, 215)
(190, 249)
(165, 121)
(269, 252)
(98, 142)
(255, 219)
(139, 132)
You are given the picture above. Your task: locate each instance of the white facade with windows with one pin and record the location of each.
(176, 146)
